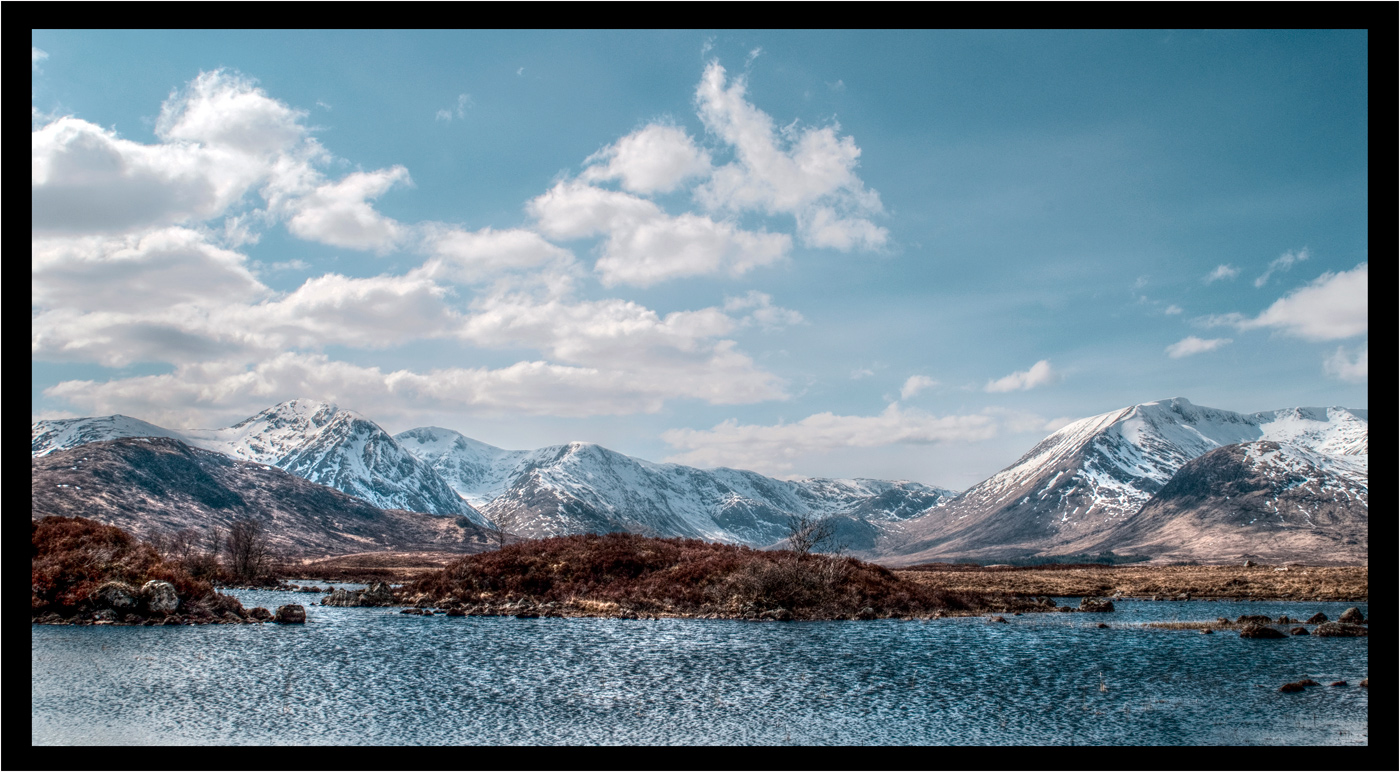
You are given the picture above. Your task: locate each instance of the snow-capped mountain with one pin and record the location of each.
(314, 440)
(157, 486)
(582, 487)
(339, 448)
(61, 434)
(1086, 479)
(1264, 500)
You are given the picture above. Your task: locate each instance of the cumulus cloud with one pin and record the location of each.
(339, 213)
(772, 449)
(654, 159)
(916, 384)
(1172, 310)
(1332, 307)
(1040, 374)
(1194, 345)
(1224, 271)
(472, 257)
(1282, 263)
(1350, 366)
(809, 173)
(154, 270)
(762, 312)
(36, 55)
(644, 245)
(194, 390)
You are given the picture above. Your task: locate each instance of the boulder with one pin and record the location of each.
(1340, 630)
(377, 594)
(290, 614)
(1293, 687)
(261, 614)
(1283, 620)
(1260, 631)
(117, 596)
(1338, 683)
(1309, 682)
(104, 616)
(1002, 620)
(1095, 604)
(1317, 619)
(1253, 619)
(1207, 631)
(1365, 683)
(1352, 616)
(1299, 631)
(456, 612)
(160, 597)
(866, 613)
(1102, 626)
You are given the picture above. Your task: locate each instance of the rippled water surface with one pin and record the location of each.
(374, 676)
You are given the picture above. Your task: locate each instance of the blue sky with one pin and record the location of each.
(901, 255)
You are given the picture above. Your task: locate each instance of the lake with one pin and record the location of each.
(374, 676)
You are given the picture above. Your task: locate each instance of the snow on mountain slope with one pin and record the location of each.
(476, 471)
(1264, 500)
(341, 449)
(582, 487)
(1090, 476)
(61, 434)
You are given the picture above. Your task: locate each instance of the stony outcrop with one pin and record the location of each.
(160, 597)
(1260, 631)
(1317, 619)
(117, 596)
(1352, 616)
(1299, 631)
(290, 614)
(1096, 605)
(1340, 630)
(376, 594)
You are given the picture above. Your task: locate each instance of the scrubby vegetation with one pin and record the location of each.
(1292, 582)
(620, 574)
(82, 570)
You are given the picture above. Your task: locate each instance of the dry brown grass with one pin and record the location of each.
(1323, 583)
(395, 567)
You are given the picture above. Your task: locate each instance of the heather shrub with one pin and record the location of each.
(682, 576)
(72, 556)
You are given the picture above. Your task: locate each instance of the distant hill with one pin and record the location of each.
(159, 485)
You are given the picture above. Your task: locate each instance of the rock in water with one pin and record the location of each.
(1293, 687)
(1095, 604)
(1299, 631)
(1340, 630)
(1317, 619)
(1260, 631)
(160, 597)
(261, 614)
(290, 614)
(117, 596)
(1352, 616)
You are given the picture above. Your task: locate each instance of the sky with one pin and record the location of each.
(899, 255)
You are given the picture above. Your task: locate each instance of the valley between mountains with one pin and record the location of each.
(1167, 481)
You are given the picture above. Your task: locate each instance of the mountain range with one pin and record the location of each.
(1149, 479)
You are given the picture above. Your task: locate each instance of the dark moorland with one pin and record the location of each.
(82, 571)
(622, 575)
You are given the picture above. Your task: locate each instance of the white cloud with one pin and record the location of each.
(809, 173)
(339, 214)
(1194, 345)
(1282, 263)
(1347, 365)
(644, 244)
(772, 449)
(471, 257)
(36, 55)
(1040, 374)
(654, 159)
(224, 109)
(184, 397)
(861, 372)
(1224, 271)
(1172, 310)
(1332, 307)
(144, 272)
(915, 384)
(464, 102)
(762, 312)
